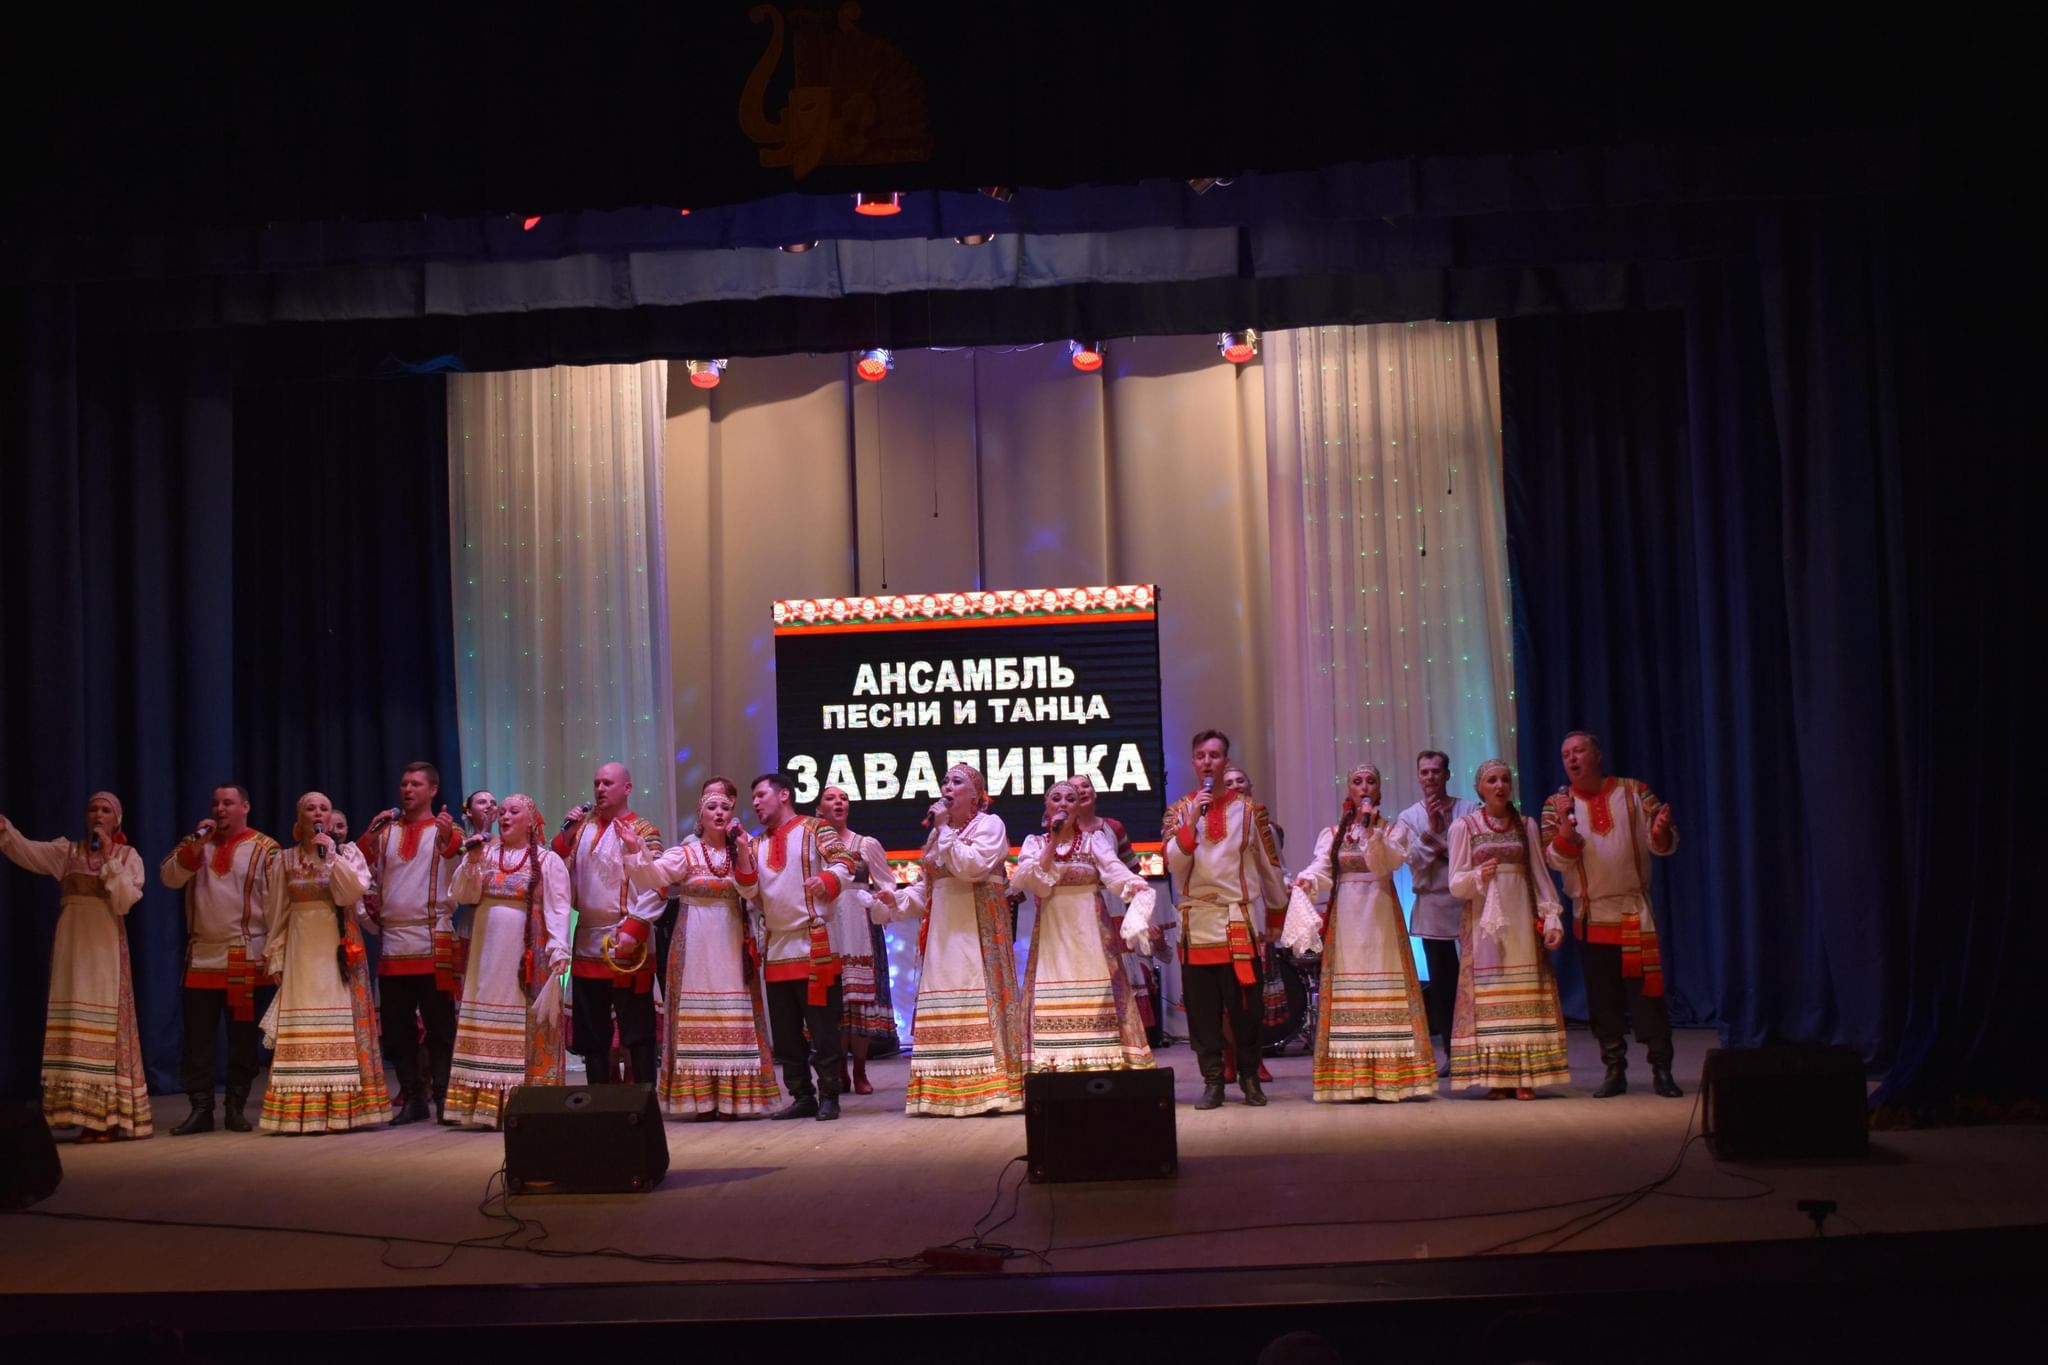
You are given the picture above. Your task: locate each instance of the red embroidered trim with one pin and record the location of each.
(1209, 957)
(1599, 812)
(223, 861)
(789, 971)
(778, 844)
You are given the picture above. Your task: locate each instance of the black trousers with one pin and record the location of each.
(789, 1015)
(204, 1010)
(1609, 993)
(1440, 995)
(1211, 994)
(399, 1000)
(594, 1002)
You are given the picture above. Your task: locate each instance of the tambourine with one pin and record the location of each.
(635, 933)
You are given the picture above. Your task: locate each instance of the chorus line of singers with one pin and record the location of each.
(774, 953)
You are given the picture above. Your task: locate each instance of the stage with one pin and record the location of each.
(1297, 1184)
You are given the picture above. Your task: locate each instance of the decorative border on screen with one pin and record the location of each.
(926, 611)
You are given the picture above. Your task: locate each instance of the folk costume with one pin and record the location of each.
(92, 1073)
(412, 866)
(802, 966)
(327, 1074)
(509, 1026)
(227, 881)
(1078, 1010)
(610, 909)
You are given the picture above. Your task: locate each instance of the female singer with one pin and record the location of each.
(508, 1032)
(1507, 1032)
(92, 1056)
(716, 1060)
(1372, 1033)
(328, 1072)
(862, 948)
(1076, 1000)
(967, 1060)
(479, 813)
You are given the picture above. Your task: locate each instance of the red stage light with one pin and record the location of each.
(1238, 347)
(878, 205)
(531, 223)
(705, 374)
(1002, 194)
(875, 363)
(684, 212)
(1087, 355)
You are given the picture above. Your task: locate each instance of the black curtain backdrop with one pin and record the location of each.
(210, 578)
(1758, 546)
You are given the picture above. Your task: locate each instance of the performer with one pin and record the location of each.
(802, 869)
(1272, 914)
(716, 1061)
(1372, 1035)
(508, 1031)
(1437, 916)
(1077, 1004)
(411, 853)
(1600, 832)
(1142, 970)
(326, 1076)
(226, 870)
(966, 1057)
(863, 950)
(1507, 1032)
(613, 971)
(479, 813)
(92, 1057)
(1221, 866)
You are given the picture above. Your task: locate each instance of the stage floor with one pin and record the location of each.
(1294, 1184)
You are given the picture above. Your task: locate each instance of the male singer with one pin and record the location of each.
(612, 972)
(1220, 864)
(414, 916)
(226, 870)
(1600, 833)
(802, 866)
(1438, 916)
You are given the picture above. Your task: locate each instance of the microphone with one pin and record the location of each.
(318, 830)
(575, 815)
(474, 841)
(1209, 787)
(95, 841)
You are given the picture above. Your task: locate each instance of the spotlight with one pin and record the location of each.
(1002, 194)
(976, 239)
(877, 205)
(1087, 355)
(684, 212)
(1205, 183)
(875, 363)
(705, 374)
(531, 223)
(1238, 347)
(799, 248)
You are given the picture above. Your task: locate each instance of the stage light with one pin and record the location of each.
(875, 363)
(1087, 355)
(531, 223)
(1238, 347)
(976, 239)
(799, 248)
(1203, 186)
(877, 205)
(705, 374)
(684, 212)
(1002, 194)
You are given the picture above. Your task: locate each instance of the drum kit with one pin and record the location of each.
(1300, 976)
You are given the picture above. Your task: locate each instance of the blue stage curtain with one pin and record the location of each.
(160, 511)
(1752, 554)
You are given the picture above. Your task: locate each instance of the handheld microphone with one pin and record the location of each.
(1209, 787)
(319, 829)
(95, 841)
(474, 841)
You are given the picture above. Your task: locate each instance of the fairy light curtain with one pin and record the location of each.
(561, 621)
(1389, 554)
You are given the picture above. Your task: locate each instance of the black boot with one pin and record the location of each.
(411, 1109)
(1212, 1095)
(828, 1108)
(803, 1107)
(1616, 1080)
(1253, 1094)
(645, 1070)
(405, 1066)
(1663, 1083)
(200, 1120)
(232, 1118)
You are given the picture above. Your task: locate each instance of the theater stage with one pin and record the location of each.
(1295, 1184)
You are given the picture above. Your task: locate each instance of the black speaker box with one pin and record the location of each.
(1100, 1125)
(584, 1139)
(29, 1169)
(1766, 1103)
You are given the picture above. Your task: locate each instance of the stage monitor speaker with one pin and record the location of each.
(1099, 1125)
(1798, 1102)
(29, 1169)
(584, 1139)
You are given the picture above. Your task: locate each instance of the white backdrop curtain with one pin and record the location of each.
(560, 582)
(1389, 545)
